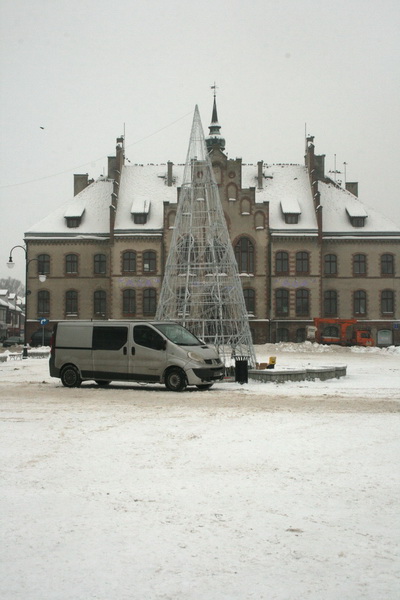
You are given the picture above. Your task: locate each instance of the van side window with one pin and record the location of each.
(109, 338)
(145, 336)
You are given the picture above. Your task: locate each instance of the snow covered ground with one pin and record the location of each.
(261, 491)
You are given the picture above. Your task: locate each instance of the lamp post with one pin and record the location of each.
(42, 278)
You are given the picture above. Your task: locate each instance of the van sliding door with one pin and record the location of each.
(110, 352)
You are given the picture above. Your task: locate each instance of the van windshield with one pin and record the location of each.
(178, 334)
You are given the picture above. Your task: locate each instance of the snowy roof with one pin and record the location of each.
(94, 200)
(339, 205)
(290, 206)
(144, 190)
(139, 186)
(284, 186)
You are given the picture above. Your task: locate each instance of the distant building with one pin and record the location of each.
(306, 247)
(12, 314)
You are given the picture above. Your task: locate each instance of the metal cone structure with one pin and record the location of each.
(201, 287)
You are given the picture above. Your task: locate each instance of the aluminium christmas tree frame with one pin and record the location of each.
(201, 288)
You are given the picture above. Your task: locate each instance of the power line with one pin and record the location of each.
(146, 137)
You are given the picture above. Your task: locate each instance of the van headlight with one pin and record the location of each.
(196, 357)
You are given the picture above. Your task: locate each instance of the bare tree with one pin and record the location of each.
(12, 285)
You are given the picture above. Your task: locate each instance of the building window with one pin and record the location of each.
(140, 218)
(71, 264)
(330, 303)
(357, 221)
(100, 303)
(282, 334)
(244, 254)
(100, 264)
(71, 302)
(129, 262)
(250, 300)
(43, 302)
(282, 302)
(128, 302)
(282, 263)
(387, 302)
(291, 218)
(73, 221)
(330, 264)
(302, 263)
(149, 302)
(302, 302)
(360, 302)
(149, 262)
(43, 265)
(359, 264)
(387, 264)
(301, 335)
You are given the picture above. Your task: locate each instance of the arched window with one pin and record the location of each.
(282, 302)
(359, 264)
(282, 334)
(231, 192)
(100, 303)
(282, 263)
(302, 302)
(250, 300)
(71, 264)
(330, 264)
(330, 303)
(129, 262)
(360, 302)
(245, 206)
(302, 263)
(259, 220)
(43, 302)
(149, 262)
(43, 264)
(149, 302)
(387, 302)
(71, 302)
(387, 264)
(128, 302)
(244, 254)
(100, 264)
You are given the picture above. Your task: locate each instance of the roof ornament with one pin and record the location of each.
(215, 139)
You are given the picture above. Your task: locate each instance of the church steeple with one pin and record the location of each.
(214, 139)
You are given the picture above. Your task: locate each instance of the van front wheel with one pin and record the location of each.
(70, 377)
(175, 380)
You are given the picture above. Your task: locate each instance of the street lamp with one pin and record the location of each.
(42, 278)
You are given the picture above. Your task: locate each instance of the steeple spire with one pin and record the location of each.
(215, 139)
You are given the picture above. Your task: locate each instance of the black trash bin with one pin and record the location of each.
(241, 369)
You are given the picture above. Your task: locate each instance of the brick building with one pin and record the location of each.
(305, 246)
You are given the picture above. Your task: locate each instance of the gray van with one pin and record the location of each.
(151, 352)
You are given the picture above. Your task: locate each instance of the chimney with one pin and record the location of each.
(320, 166)
(112, 166)
(352, 187)
(169, 173)
(260, 175)
(80, 182)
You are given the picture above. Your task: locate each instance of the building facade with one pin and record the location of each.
(305, 246)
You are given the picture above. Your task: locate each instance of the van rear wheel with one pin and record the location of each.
(175, 380)
(70, 377)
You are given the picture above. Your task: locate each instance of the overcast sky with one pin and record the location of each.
(83, 70)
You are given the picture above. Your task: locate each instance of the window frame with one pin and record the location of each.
(149, 302)
(360, 265)
(244, 254)
(282, 301)
(127, 260)
(282, 262)
(302, 302)
(71, 302)
(99, 261)
(100, 301)
(360, 300)
(330, 264)
(128, 298)
(387, 266)
(302, 263)
(388, 301)
(72, 262)
(43, 302)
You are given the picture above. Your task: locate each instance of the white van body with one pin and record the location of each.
(151, 352)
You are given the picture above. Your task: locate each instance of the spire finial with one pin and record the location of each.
(215, 139)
